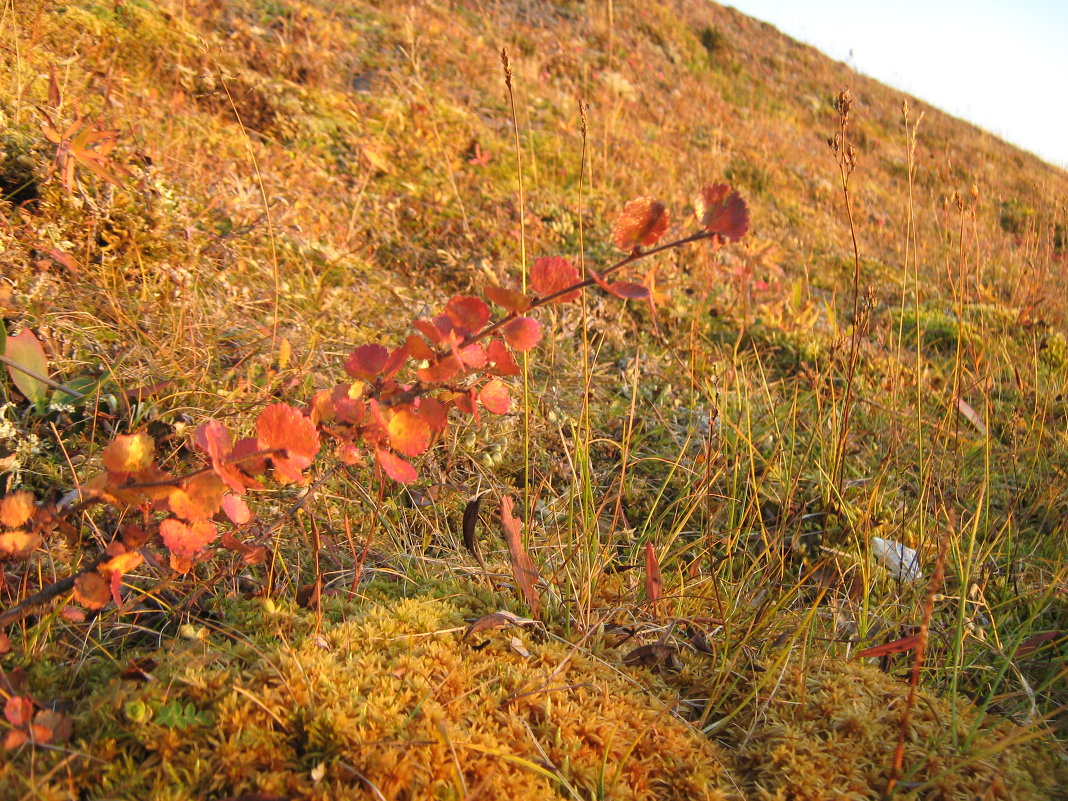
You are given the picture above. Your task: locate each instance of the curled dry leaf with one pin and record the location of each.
(496, 620)
(91, 590)
(641, 224)
(522, 567)
(470, 524)
(652, 655)
(722, 211)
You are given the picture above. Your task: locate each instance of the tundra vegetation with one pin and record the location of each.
(532, 399)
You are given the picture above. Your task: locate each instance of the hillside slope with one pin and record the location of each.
(208, 204)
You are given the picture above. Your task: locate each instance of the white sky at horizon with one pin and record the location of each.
(1000, 65)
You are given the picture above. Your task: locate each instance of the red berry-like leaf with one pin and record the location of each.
(367, 362)
(495, 396)
(408, 432)
(467, 312)
(550, 275)
(522, 333)
(284, 428)
(395, 467)
(508, 298)
(503, 361)
(186, 541)
(641, 224)
(722, 211)
(129, 453)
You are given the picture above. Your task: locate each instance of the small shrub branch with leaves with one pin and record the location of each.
(392, 407)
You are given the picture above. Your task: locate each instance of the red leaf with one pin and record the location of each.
(408, 433)
(641, 224)
(722, 211)
(474, 356)
(395, 467)
(280, 426)
(467, 312)
(429, 330)
(435, 413)
(503, 361)
(522, 566)
(522, 333)
(214, 439)
(495, 396)
(653, 581)
(508, 298)
(18, 710)
(186, 541)
(395, 362)
(628, 290)
(551, 275)
(236, 509)
(887, 649)
(367, 362)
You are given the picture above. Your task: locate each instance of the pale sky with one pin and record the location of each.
(1002, 65)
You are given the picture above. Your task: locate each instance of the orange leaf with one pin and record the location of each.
(281, 427)
(199, 499)
(522, 567)
(508, 298)
(16, 509)
(503, 361)
(18, 710)
(214, 439)
(408, 433)
(91, 591)
(129, 453)
(641, 224)
(186, 541)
